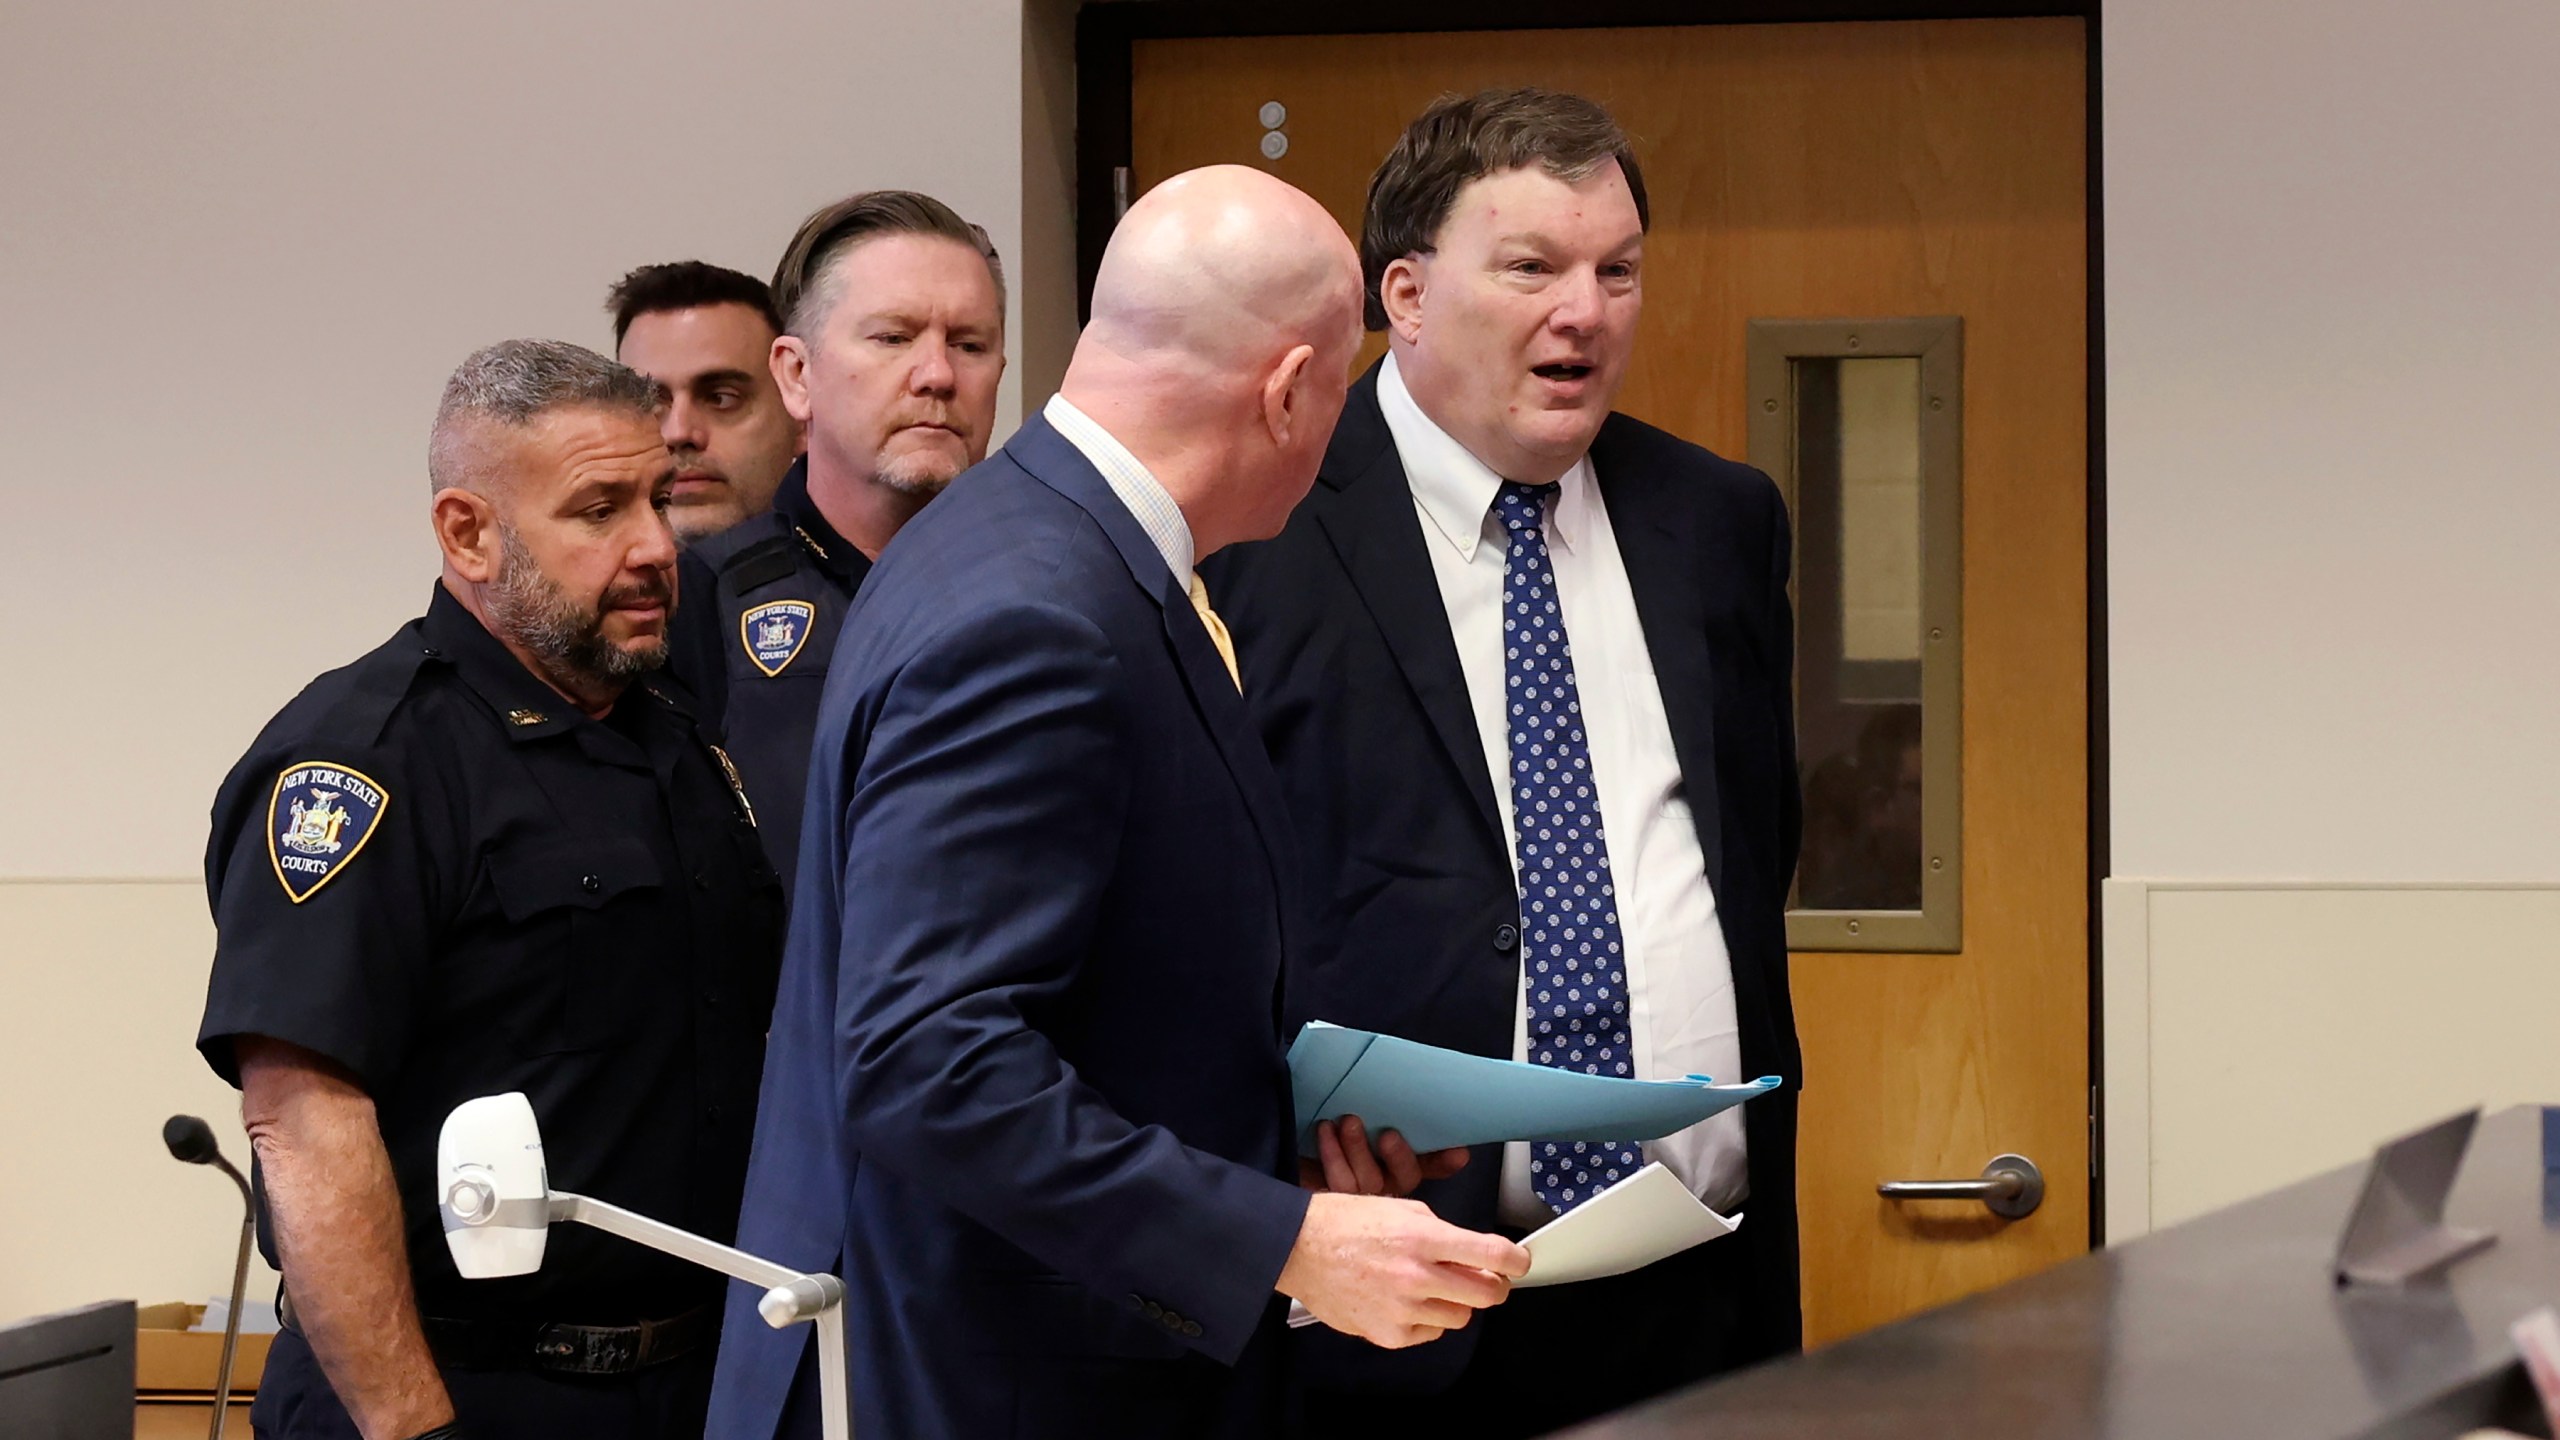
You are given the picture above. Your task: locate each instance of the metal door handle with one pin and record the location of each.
(2011, 1186)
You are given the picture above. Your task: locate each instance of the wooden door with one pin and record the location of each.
(1901, 168)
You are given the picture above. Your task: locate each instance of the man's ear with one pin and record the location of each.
(789, 361)
(467, 532)
(1280, 392)
(1400, 295)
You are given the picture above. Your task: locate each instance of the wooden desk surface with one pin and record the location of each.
(2228, 1324)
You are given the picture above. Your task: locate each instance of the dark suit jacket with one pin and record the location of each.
(1354, 679)
(1033, 984)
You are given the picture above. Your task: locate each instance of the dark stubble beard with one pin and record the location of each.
(568, 638)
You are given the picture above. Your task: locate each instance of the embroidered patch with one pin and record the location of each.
(320, 816)
(774, 632)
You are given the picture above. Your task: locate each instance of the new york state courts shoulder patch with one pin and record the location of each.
(774, 632)
(321, 814)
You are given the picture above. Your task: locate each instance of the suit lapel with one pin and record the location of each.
(1040, 449)
(1658, 543)
(1375, 531)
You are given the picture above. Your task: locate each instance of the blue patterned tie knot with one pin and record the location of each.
(1571, 943)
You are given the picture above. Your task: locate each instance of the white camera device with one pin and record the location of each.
(498, 1207)
(493, 1193)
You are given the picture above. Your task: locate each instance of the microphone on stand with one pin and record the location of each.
(191, 1140)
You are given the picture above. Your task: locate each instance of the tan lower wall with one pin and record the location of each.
(2258, 1034)
(101, 984)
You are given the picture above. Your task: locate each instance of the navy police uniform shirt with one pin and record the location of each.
(758, 610)
(436, 871)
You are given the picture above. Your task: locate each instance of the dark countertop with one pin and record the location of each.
(2228, 1324)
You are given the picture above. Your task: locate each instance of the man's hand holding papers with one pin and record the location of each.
(1348, 1163)
(1393, 1273)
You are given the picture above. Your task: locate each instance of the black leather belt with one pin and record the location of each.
(560, 1349)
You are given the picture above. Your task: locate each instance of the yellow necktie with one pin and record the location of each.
(1218, 635)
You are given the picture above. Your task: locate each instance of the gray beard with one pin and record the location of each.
(922, 479)
(567, 637)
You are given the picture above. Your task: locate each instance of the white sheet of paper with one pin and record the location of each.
(1646, 1217)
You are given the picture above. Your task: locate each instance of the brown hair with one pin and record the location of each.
(1462, 138)
(804, 287)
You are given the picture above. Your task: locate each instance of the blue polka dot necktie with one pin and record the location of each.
(1576, 961)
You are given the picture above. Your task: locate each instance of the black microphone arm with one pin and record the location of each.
(191, 1140)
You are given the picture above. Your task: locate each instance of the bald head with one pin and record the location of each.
(1226, 316)
(1218, 268)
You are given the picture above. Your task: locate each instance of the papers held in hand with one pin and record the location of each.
(1646, 1217)
(1439, 1098)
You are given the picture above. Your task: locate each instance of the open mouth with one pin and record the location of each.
(1567, 372)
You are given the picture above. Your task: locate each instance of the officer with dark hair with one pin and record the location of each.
(892, 309)
(496, 854)
(707, 333)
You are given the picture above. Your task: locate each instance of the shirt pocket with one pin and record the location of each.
(591, 915)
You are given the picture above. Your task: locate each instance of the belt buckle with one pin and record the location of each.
(587, 1349)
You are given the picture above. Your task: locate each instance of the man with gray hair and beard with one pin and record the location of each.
(495, 854)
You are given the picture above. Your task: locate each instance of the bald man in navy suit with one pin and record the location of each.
(1027, 1084)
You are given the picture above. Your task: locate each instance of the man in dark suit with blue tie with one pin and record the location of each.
(1525, 668)
(1027, 1060)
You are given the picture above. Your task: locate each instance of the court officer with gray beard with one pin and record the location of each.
(497, 854)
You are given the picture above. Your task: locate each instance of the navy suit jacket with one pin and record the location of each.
(1026, 1083)
(1414, 916)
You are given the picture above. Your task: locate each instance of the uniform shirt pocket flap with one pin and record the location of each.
(580, 875)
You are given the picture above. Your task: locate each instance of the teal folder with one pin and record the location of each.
(1439, 1098)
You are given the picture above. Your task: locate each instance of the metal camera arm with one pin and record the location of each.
(497, 1206)
(789, 1297)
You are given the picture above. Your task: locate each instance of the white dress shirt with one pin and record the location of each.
(1130, 480)
(1680, 1002)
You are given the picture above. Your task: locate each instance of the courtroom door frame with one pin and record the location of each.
(1107, 34)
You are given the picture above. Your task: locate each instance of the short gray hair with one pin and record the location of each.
(514, 381)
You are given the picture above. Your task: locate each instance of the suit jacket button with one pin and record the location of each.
(1154, 1311)
(1506, 938)
(1172, 1321)
(1191, 1328)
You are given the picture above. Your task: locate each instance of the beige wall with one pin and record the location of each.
(103, 982)
(2333, 336)
(245, 244)
(2262, 1033)
(2333, 330)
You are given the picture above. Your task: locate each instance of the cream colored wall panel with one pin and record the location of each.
(241, 247)
(2277, 1031)
(103, 983)
(2332, 325)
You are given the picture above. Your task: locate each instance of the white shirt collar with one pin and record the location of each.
(1140, 491)
(1454, 488)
